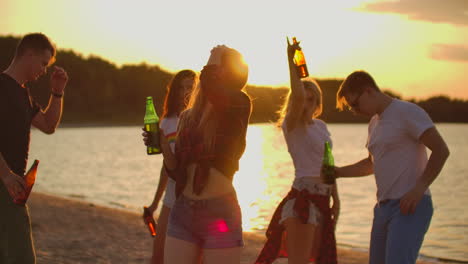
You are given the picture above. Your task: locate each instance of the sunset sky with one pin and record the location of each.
(416, 48)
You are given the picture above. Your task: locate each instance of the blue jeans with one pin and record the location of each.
(211, 224)
(397, 238)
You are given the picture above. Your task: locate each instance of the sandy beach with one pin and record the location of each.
(71, 231)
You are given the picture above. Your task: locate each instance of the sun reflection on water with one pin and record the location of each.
(109, 166)
(257, 183)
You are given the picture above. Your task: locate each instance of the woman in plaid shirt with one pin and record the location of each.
(205, 221)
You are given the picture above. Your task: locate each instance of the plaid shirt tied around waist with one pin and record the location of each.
(275, 245)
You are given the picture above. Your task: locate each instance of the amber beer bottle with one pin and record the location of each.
(152, 126)
(29, 179)
(299, 60)
(149, 221)
(328, 164)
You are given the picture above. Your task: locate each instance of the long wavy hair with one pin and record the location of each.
(311, 85)
(199, 114)
(173, 105)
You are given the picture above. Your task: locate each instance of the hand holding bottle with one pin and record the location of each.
(29, 180)
(151, 122)
(328, 165)
(146, 137)
(328, 174)
(292, 47)
(14, 184)
(297, 55)
(149, 221)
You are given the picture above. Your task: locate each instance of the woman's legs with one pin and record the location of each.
(181, 251)
(160, 239)
(300, 241)
(222, 255)
(316, 245)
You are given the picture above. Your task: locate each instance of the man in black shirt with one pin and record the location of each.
(34, 54)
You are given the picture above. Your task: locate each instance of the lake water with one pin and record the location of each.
(109, 166)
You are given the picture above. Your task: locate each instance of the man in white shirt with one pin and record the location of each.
(398, 135)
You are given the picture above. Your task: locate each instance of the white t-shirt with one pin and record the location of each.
(169, 126)
(393, 142)
(306, 145)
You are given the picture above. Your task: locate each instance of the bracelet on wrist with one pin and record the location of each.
(58, 95)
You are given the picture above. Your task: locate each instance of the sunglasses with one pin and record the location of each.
(355, 104)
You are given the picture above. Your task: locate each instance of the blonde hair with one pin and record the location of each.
(199, 115)
(311, 85)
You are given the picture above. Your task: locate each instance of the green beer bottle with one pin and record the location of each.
(328, 164)
(152, 126)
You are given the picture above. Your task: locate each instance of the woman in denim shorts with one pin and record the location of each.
(205, 222)
(304, 219)
(178, 92)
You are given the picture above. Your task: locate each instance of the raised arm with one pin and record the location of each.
(48, 120)
(222, 82)
(297, 99)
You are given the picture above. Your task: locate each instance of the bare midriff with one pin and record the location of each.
(217, 184)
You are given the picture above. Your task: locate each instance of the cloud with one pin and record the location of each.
(437, 11)
(449, 52)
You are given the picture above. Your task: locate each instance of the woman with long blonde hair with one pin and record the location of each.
(303, 220)
(205, 221)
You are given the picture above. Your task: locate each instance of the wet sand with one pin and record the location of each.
(71, 231)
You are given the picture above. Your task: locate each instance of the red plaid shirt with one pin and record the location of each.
(275, 245)
(231, 113)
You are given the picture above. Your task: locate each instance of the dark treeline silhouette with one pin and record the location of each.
(100, 93)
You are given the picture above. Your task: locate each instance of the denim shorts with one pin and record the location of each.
(211, 223)
(313, 187)
(169, 195)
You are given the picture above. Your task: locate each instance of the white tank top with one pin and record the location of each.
(306, 145)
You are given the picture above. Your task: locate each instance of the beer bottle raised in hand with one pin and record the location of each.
(328, 164)
(152, 126)
(299, 60)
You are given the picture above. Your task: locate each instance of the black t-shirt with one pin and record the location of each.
(17, 110)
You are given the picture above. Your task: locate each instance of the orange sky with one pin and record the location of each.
(417, 48)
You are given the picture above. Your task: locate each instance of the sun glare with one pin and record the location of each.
(261, 181)
(248, 180)
(336, 36)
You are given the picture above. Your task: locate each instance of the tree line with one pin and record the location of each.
(101, 93)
